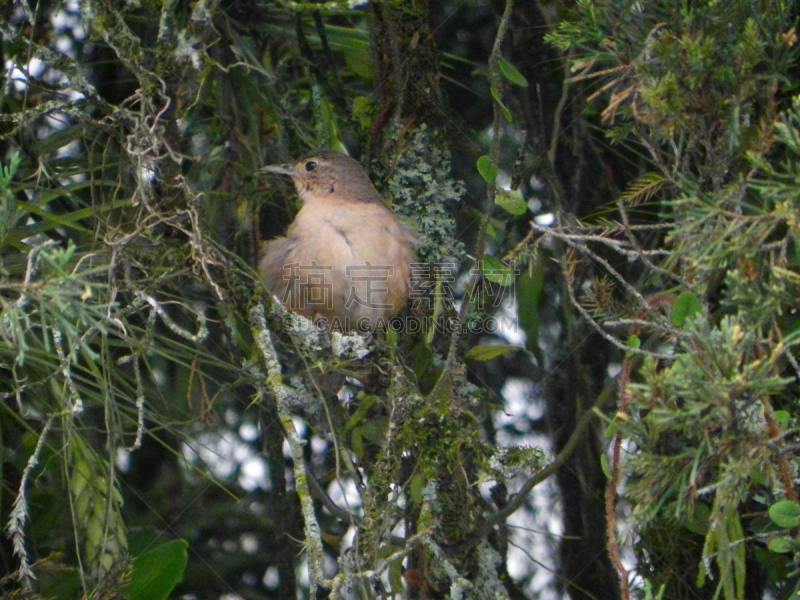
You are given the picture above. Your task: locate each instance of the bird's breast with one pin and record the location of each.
(346, 260)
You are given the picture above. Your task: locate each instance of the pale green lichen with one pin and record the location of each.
(424, 191)
(486, 582)
(283, 393)
(511, 461)
(186, 49)
(349, 346)
(308, 337)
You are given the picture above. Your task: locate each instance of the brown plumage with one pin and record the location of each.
(346, 255)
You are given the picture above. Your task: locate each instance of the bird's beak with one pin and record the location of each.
(278, 169)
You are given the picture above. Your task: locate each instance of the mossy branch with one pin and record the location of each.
(283, 396)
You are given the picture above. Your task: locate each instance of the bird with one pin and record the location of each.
(346, 257)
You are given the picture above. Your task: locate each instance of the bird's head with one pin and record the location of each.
(328, 175)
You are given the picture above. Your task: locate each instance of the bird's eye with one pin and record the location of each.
(311, 166)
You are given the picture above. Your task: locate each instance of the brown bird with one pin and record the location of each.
(346, 255)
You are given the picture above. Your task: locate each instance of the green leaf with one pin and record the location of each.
(357, 442)
(357, 56)
(363, 109)
(490, 230)
(605, 465)
(782, 418)
(785, 513)
(698, 521)
(781, 545)
(396, 577)
(512, 74)
(506, 113)
(487, 353)
(374, 430)
(418, 483)
(634, 342)
(143, 539)
(512, 201)
(758, 476)
(421, 359)
(497, 272)
(686, 306)
(157, 571)
(7, 173)
(487, 169)
(365, 402)
(327, 123)
(530, 290)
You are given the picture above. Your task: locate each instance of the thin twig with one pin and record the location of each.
(639, 250)
(607, 336)
(283, 395)
(632, 291)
